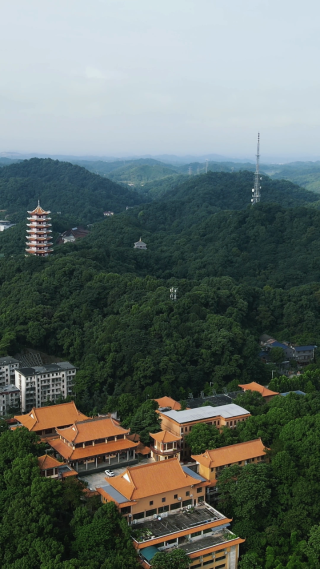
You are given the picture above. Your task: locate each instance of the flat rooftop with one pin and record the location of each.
(208, 412)
(27, 371)
(206, 542)
(9, 389)
(176, 521)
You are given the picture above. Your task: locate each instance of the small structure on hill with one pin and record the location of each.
(72, 235)
(140, 245)
(108, 213)
(4, 224)
(266, 393)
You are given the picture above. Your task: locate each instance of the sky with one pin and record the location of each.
(135, 77)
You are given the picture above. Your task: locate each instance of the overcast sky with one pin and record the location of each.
(115, 77)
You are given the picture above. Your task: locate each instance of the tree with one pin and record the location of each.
(146, 420)
(202, 437)
(175, 559)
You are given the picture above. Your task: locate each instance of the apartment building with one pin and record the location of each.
(9, 399)
(40, 384)
(8, 366)
(45, 420)
(180, 423)
(164, 503)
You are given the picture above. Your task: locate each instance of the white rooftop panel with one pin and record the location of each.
(225, 411)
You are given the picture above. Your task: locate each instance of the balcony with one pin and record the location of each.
(165, 451)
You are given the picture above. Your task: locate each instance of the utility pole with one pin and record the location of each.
(256, 194)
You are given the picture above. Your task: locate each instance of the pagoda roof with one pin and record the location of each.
(231, 454)
(254, 386)
(39, 210)
(165, 437)
(152, 478)
(42, 418)
(92, 429)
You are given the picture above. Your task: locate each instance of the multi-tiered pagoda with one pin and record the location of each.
(38, 234)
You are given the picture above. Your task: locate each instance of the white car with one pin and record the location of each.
(109, 472)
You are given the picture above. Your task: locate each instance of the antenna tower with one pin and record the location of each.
(256, 194)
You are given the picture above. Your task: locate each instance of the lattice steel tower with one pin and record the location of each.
(256, 194)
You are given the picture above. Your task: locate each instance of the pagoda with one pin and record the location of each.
(38, 234)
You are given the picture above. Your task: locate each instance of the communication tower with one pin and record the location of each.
(256, 194)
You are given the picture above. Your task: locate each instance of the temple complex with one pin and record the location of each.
(38, 235)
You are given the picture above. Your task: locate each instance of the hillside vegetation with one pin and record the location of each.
(61, 187)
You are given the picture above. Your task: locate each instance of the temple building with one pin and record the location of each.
(164, 503)
(94, 443)
(38, 234)
(266, 393)
(180, 423)
(51, 468)
(165, 445)
(212, 462)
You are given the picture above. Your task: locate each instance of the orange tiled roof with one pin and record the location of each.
(169, 402)
(47, 461)
(92, 429)
(231, 454)
(164, 437)
(69, 453)
(41, 418)
(150, 479)
(39, 210)
(253, 386)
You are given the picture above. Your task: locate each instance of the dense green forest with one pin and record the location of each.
(240, 271)
(48, 524)
(61, 187)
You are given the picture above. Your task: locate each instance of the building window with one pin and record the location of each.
(186, 503)
(151, 512)
(175, 496)
(199, 490)
(187, 493)
(163, 500)
(151, 503)
(200, 499)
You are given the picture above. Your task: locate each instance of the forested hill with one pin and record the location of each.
(61, 187)
(233, 191)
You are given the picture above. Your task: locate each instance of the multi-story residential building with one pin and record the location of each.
(39, 240)
(94, 443)
(9, 399)
(212, 462)
(8, 366)
(266, 393)
(45, 420)
(165, 445)
(164, 503)
(51, 468)
(41, 384)
(180, 423)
